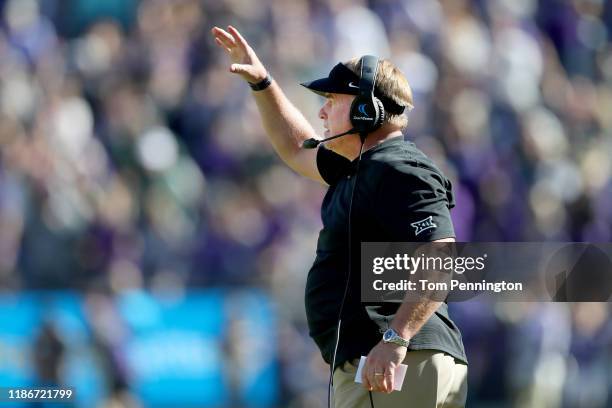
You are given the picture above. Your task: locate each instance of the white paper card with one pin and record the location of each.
(398, 380)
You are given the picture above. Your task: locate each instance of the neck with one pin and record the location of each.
(372, 140)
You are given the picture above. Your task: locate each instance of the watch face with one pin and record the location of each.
(388, 335)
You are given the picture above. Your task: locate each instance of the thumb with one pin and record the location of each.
(244, 70)
(238, 68)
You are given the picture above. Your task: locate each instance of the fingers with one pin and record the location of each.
(238, 37)
(220, 44)
(230, 39)
(378, 379)
(373, 378)
(223, 38)
(388, 381)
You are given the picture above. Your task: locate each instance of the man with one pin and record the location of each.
(398, 187)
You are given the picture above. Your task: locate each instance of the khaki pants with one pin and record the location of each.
(433, 380)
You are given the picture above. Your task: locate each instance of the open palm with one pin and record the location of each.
(244, 60)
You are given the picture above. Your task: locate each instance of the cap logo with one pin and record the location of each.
(352, 85)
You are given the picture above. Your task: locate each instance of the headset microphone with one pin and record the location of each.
(312, 142)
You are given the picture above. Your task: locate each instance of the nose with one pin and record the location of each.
(323, 111)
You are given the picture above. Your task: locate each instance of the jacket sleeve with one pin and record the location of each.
(413, 204)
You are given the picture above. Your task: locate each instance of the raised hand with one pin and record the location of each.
(244, 60)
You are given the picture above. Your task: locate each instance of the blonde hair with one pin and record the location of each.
(391, 83)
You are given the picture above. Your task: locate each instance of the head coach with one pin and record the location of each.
(381, 188)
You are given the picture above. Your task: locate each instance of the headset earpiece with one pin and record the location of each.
(381, 113)
(367, 112)
(364, 114)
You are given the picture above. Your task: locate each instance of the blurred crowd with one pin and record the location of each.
(130, 158)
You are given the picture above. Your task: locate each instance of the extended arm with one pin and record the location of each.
(284, 124)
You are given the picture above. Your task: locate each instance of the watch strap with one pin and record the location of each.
(396, 339)
(261, 85)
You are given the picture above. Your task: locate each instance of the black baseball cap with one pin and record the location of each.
(342, 80)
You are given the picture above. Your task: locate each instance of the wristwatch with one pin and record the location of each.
(391, 336)
(261, 85)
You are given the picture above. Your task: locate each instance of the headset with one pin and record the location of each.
(367, 114)
(367, 111)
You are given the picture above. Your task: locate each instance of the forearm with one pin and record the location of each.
(411, 316)
(417, 308)
(284, 124)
